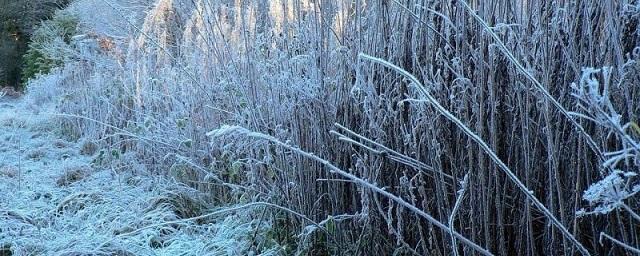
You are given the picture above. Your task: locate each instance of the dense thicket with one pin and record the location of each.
(290, 69)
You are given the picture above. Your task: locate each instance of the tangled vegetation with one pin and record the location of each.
(403, 127)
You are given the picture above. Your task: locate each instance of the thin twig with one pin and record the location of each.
(618, 242)
(465, 182)
(385, 151)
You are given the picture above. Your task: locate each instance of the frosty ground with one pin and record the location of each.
(53, 201)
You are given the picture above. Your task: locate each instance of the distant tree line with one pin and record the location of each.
(17, 21)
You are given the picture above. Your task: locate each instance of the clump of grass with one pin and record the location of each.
(36, 154)
(60, 144)
(9, 171)
(73, 174)
(73, 203)
(183, 202)
(88, 148)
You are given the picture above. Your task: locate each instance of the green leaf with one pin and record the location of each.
(115, 153)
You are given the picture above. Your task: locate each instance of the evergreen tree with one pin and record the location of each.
(17, 21)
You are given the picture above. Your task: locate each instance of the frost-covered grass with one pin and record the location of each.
(45, 210)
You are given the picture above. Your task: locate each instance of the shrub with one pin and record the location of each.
(49, 46)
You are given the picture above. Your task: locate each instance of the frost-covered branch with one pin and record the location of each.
(618, 242)
(237, 130)
(383, 150)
